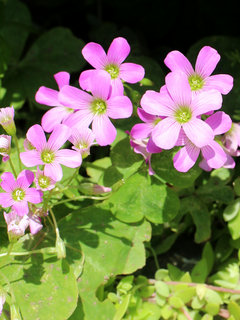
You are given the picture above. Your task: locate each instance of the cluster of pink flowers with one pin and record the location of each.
(73, 111)
(183, 114)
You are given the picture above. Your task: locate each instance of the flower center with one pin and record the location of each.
(47, 156)
(18, 194)
(43, 182)
(113, 70)
(99, 106)
(196, 82)
(183, 114)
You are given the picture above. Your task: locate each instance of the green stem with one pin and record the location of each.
(18, 151)
(50, 250)
(10, 249)
(154, 256)
(79, 198)
(12, 167)
(69, 180)
(55, 223)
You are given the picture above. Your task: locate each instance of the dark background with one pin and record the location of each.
(159, 26)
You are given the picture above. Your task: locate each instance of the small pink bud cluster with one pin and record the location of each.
(183, 114)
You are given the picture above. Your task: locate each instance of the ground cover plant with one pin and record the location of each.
(120, 188)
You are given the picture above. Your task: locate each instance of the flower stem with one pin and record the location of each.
(12, 167)
(18, 151)
(69, 180)
(50, 250)
(79, 198)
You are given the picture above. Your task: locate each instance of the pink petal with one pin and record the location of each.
(118, 51)
(220, 82)
(141, 130)
(33, 195)
(230, 163)
(100, 84)
(31, 158)
(179, 88)
(95, 55)
(85, 77)
(203, 165)
(131, 72)
(54, 171)
(21, 208)
(36, 136)
(104, 130)
(117, 87)
(186, 157)
(25, 179)
(119, 107)
(220, 122)
(74, 98)
(165, 133)
(62, 78)
(6, 200)
(54, 117)
(47, 96)
(175, 60)
(8, 182)
(206, 101)
(58, 137)
(81, 118)
(144, 116)
(207, 61)
(35, 224)
(151, 147)
(198, 132)
(156, 103)
(69, 158)
(214, 155)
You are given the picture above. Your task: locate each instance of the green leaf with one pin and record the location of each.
(227, 276)
(96, 168)
(122, 308)
(186, 294)
(232, 210)
(110, 247)
(162, 164)
(138, 198)
(176, 302)
(56, 50)
(208, 255)
(200, 271)
(234, 226)
(236, 186)
(15, 27)
(41, 283)
(124, 159)
(162, 288)
(212, 308)
(234, 309)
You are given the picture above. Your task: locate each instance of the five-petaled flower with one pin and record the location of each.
(112, 62)
(201, 79)
(18, 192)
(47, 153)
(96, 108)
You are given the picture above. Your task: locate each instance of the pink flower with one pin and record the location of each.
(5, 146)
(231, 139)
(7, 120)
(213, 154)
(47, 153)
(112, 62)
(200, 78)
(16, 225)
(35, 224)
(43, 182)
(96, 108)
(82, 139)
(2, 299)
(181, 110)
(49, 97)
(17, 192)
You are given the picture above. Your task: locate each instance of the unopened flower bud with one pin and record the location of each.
(5, 146)
(93, 189)
(60, 248)
(16, 225)
(7, 120)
